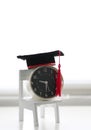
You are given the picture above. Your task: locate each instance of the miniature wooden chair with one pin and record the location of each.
(32, 104)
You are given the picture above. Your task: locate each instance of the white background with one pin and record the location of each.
(32, 26)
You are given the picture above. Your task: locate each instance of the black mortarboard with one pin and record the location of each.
(40, 58)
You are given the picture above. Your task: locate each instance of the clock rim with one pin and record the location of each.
(33, 94)
(30, 85)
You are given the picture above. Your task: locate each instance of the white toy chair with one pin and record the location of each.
(31, 103)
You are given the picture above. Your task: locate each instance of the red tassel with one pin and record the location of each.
(59, 80)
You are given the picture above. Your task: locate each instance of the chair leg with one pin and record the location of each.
(42, 111)
(35, 115)
(21, 113)
(56, 113)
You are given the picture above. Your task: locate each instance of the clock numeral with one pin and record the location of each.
(52, 93)
(38, 72)
(34, 77)
(51, 71)
(46, 95)
(32, 83)
(40, 93)
(35, 89)
(45, 69)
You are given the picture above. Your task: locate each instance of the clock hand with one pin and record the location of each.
(45, 82)
(41, 81)
(46, 85)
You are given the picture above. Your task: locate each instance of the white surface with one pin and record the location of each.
(28, 27)
(71, 118)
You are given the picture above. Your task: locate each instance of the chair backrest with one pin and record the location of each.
(24, 74)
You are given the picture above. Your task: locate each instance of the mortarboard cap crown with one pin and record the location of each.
(40, 59)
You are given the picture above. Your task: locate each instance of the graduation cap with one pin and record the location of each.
(47, 58)
(40, 59)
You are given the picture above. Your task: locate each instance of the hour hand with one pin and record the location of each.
(41, 81)
(46, 84)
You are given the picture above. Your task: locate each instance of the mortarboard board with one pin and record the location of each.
(40, 59)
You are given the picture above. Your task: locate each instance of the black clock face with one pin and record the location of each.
(43, 81)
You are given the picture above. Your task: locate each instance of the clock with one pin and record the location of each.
(42, 82)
